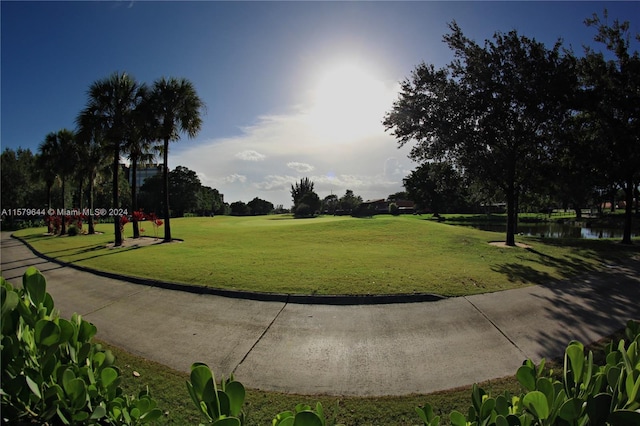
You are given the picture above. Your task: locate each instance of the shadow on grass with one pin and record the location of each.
(86, 250)
(80, 249)
(591, 256)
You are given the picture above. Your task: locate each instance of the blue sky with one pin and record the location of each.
(293, 89)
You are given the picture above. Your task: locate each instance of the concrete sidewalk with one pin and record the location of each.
(390, 349)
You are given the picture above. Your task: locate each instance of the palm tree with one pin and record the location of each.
(58, 154)
(46, 164)
(93, 158)
(110, 110)
(139, 147)
(176, 108)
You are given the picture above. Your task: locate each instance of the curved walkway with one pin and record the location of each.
(391, 349)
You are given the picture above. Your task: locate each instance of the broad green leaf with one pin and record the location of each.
(47, 333)
(10, 300)
(98, 413)
(320, 411)
(48, 303)
(67, 376)
(35, 285)
(109, 358)
(77, 392)
(35, 389)
(236, 393)
(223, 400)
(632, 386)
(571, 409)
(546, 387)
(477, 394)
(624, 418)
(502, 405)
(487, 407)
(203, 384)
(80, 416)
(66, 330)
(513, 420)
(425, 413)
(151, 415)
(536, 402)
(501, 420)
(135, 413)
(420, 412)
(302, 407)
(526, 377)
(286, 421)
(598, 408)
(307, 418)
(86, 331)
(575, 354)
(457, 418)
(613, 376)
(229, 421)
(108, 376)
(97, 360)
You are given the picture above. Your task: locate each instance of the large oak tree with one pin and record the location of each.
(611, 115)
(491, 111)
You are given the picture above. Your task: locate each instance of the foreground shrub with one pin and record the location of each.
(586, 394)
(52, 373)
(219, 406)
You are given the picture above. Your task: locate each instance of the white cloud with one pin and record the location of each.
(235, 178)
(250, 155)
(266, 158)
(300, 167)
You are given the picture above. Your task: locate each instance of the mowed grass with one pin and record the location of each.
(333, 255)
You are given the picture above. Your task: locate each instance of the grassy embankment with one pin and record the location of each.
(333, 255)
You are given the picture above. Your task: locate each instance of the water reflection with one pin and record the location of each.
(556, 230)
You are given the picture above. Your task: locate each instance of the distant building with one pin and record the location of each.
(143, 172)
(381, 206)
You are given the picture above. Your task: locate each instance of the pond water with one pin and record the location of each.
(557, 230)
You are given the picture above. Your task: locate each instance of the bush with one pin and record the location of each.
(586, 394)
(72, 231)
(303, 210)
(52, 373)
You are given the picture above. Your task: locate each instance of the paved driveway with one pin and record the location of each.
(390, 349)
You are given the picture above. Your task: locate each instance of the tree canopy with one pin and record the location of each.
(491, 111)
(305, 201)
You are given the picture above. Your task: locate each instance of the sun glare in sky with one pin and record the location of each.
(348, 103)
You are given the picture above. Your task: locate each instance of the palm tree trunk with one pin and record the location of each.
(134, 197)
(92, 229)
(63, 229)
(49, 206)
(80, 193)
(116, 218)
(511, 216)
(628, 213)
(165, 176)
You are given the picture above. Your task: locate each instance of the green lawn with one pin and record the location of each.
(333, 255)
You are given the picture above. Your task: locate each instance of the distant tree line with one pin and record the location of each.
(515, 121)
